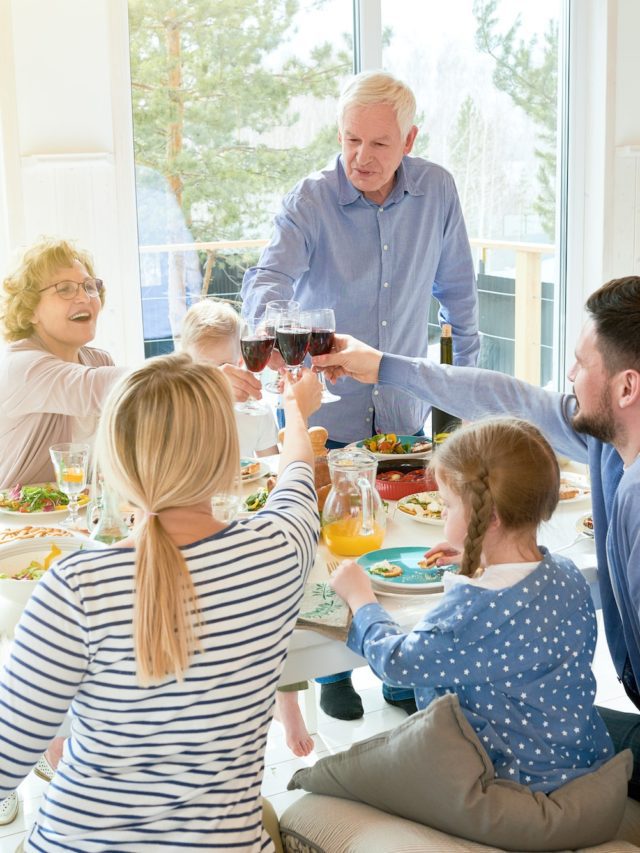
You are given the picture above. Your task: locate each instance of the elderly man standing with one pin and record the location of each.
(373, 236)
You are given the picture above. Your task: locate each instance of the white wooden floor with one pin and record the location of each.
(333, 736)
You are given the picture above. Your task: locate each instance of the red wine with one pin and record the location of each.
(256, 352)
(293, 344)
(321, 341)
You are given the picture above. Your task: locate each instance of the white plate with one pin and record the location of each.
(39, 517)
(263, 471)
(581, 527)
(423, 519)
(581, 483)
(412, 439)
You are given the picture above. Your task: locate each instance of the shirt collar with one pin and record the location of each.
(347, 193)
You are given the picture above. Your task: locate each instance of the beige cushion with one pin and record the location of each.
(317, 824)
(432, 769)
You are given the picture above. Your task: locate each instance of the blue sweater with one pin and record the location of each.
(474, 393)
(519, 660)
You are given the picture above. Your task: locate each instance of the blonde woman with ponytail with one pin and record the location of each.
(514, 634)
(167, 647)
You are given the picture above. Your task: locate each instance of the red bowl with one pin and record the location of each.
(393, 490)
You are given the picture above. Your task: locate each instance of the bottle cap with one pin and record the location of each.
(446, 330)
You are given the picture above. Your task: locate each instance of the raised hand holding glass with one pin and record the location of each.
(256, 344)
(323, 326)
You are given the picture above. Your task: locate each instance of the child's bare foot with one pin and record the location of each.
(288, 712)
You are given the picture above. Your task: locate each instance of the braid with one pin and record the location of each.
(481, 507)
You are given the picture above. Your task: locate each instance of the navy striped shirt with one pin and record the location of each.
(177, 765)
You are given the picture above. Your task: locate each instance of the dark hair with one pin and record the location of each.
(615, 311)
(504, 464)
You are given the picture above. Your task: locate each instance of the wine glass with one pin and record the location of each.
(293, 338)
(70, 462)
(256, 344)
(272, 313)
(323, 326)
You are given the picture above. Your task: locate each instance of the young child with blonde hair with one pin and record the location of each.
(514, 634)
(168, 646)
(211, 334)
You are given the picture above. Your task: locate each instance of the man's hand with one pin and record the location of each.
(350, 357)
(352, 585)
(244, 384)
(306, 391)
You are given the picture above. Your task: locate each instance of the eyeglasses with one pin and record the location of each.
(69, 289)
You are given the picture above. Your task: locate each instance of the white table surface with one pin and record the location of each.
(312, 654)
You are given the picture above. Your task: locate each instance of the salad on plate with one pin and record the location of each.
(42, 497)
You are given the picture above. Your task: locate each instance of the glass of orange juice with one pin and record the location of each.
(70, 462)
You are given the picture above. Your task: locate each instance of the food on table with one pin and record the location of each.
(34, 570)
(425, 504)
(256, 500)
(249, 467)
(14, 534)
(571, 489)
(398, 477)
(386, 569)
(431, 560)
(587, 522)
(386, 443)
(44, 497)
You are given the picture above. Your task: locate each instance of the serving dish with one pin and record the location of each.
(413, 476)
(408, 440)
(574, 483)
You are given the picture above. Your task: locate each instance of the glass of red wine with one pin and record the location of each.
(256, 345)
(322, 322)
(292, 337)
(272, 313)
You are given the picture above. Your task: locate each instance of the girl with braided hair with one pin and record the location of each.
(515, 631)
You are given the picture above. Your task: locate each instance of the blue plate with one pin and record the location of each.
(404, 439)
(413, 578)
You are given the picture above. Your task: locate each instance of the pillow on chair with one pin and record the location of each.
(432, 769)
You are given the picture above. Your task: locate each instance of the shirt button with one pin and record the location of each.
(371, 410)
(368, 420)
(381, 209)
(384, 322)
(385, 247)
(376, 392)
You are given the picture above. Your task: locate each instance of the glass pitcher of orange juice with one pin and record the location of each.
(353, 518)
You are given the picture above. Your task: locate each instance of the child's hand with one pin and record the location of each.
(244, 384)
(306, 391)
(352, 585)
(442, 554)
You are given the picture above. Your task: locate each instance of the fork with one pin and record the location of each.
(332, 565)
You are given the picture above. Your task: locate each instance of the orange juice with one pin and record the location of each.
(73, 475)
(344, 537)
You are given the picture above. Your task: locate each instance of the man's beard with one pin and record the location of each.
(600, 424)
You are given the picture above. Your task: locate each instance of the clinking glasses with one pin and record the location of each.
(69, 289)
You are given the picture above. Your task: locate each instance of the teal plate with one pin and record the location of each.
(413, 578)
(405, 439)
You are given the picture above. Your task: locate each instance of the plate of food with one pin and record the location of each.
(255, 501)
(584, 525)
(386, 445)
(574, 488)
(404, 570)
(40, 501)
(253, 469)
(425, 507)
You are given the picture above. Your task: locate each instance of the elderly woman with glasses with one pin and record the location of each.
(52, 384)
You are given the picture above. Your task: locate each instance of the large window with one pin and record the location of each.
(234, 101)
(486, 77)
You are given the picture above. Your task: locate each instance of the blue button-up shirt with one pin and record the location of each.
(376, 266)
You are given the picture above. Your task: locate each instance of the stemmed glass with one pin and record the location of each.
(293, 338)
(323, 326)
(272, 313)
(256, 344)
(70, 462)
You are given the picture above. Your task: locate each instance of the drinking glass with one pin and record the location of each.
(323, 326)
(272, 313)
(70, 462)
(225, 506)
(293, 338)
(256, 344)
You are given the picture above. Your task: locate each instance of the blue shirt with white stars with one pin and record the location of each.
(518, 658)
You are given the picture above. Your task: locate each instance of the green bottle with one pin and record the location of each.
(442, 423)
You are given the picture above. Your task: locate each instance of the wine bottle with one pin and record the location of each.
(442, 423)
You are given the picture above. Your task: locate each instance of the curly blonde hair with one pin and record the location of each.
(21, 288)
(502, 464)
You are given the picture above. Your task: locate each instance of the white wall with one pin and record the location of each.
(66, 135)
